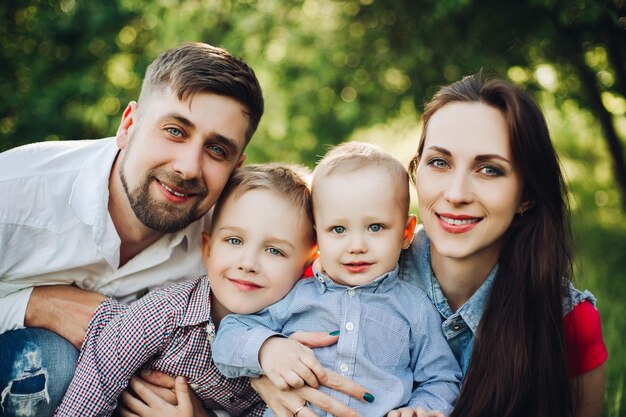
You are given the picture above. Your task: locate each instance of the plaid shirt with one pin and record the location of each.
(169, 330)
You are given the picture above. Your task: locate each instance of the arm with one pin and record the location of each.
(590, 388)
(148, 400)
(120, 339)
(283, 403)
(63, 309)
(250, 345)
(436, 373)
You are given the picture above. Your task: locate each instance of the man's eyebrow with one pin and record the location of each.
(180, 119)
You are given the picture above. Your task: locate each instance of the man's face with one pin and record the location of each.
(177, 156)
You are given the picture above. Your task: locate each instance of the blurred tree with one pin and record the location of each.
(327, 67)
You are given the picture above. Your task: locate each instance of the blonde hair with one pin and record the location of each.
(354, 156)
(284, 180)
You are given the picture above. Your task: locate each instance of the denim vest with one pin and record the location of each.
(459, 328)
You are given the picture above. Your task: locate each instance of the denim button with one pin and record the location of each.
(456, 327)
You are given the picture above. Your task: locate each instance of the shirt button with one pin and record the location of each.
(320, 279)
(456, 326)
(349, 326)
(351, 292)
(88, 283)
(343, 367)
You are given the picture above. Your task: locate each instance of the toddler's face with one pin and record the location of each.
(360, 225)
(258, 249)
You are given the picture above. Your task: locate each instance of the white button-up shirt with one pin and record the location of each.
(55, 228)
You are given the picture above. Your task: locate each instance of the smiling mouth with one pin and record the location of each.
(459, 222)
(355, 267)
(244, 285)
(172, 191)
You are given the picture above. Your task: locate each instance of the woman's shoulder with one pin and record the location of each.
(583, 338)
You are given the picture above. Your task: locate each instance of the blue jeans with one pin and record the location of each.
(36, 367)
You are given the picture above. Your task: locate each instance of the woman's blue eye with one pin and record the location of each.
(234, 241)
(438, 163)
(491, 171)
(375, 227)
(338, 229)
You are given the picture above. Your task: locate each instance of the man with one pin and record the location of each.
(81, 220)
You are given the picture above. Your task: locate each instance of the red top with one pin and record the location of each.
(583, 338)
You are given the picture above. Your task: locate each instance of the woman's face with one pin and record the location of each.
(467, 185)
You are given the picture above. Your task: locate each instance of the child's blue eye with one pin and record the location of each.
(275, 251)
(234, 241)
(376, 227)
(338, 229)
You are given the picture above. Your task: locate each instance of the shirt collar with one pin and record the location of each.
(90, 201)
(199, 306)
(381, 284)
(417, 260)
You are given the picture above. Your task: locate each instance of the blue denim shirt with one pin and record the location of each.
(459, 327)
(390, 341)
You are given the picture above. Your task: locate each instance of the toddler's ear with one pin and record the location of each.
(409, 229)
(206, 244)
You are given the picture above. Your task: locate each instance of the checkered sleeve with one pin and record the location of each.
(119, 340)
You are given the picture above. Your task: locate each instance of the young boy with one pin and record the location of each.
(390, 334)
(260, 241)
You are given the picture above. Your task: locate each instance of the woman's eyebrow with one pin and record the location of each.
(490, 156)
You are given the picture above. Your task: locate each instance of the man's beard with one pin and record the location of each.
(162, 216)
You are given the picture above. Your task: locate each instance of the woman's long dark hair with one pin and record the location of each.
(518, 365)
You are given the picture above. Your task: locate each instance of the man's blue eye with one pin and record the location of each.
(174, 132)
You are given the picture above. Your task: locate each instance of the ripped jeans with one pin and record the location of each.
(36, 367)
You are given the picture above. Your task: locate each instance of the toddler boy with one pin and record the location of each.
(390, 333)
(260, 241)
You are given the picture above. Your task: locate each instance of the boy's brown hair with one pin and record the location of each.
(285, 181)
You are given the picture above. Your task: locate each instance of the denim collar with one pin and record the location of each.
(416, 268)
(379, 285)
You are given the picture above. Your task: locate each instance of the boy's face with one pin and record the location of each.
(257, 250)
(360, 224)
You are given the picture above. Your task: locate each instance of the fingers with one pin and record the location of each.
(150, 394)
(325, 402)
(158, 378)
(183, 395)
(128, 405)
(347, 386)
(314, 339)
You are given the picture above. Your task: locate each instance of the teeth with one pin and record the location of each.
(458, 222)
(174, 192)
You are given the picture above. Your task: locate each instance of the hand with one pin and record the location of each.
(284, 403)
(63, 309)
(289, 364)
(155, 393)
(414, 412)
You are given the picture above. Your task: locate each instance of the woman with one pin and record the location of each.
(492, 257)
